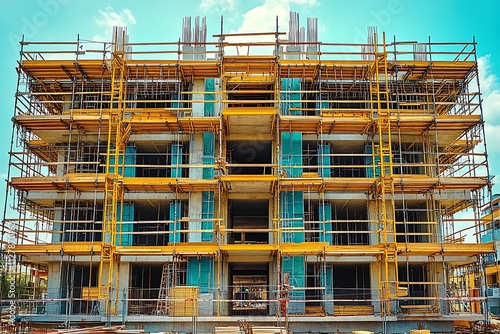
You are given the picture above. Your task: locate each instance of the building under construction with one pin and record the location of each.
(265, 176)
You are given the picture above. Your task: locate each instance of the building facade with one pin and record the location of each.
(192, 184)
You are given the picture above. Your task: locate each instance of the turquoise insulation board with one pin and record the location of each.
(199, 273)
(176, 160)
(207, 212)
(208, 154)
(175, 101)
(130, 159)
(290, 101)
(127, 216)
(292, 214)
(295, 266)
(325, 214)
(291, 153)
(327, 283)
(369, 161)
(175, 227)
(324, 159)
(209, 106)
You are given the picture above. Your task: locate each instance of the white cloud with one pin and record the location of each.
(263, 19)
(490, 88)
(217, 5)
(108, 18)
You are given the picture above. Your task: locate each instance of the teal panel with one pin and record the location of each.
(295, 266)
(324, 160)
(208, 154)
(207, 212)
(209, 106)
(291, 153)
(200, 273)
(292, 214)
(130, 159)
(327, 283)
(325, 214)
(175, 101)
(176, 159)
(369, 161)
(290, 101)
(127, 216)
(175, 214)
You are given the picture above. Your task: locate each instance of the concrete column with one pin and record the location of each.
(195, 207)
(225, 291)
(374, 286)
(198, 98)
(124, 280)
(270, 223)
(441, 289)
(61, 167)
(195, 156)
(273, 285)
(296, 52)
(53, 288)
(57, 227)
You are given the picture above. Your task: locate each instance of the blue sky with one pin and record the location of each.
(339, 21)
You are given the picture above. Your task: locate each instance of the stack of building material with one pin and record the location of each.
(353, 310)
(206, 304)
(268, 330)
(228, 330)
(183, 301)
(100, 329)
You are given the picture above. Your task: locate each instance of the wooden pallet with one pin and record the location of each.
(183, 301)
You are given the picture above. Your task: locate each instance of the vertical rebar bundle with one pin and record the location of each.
(197, 35)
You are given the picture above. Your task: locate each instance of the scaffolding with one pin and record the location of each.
(159, 166)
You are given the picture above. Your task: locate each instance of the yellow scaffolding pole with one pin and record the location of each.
(113, 193)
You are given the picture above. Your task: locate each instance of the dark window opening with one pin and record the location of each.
(348, 225)
(351, 282)
(162, 160)
(85, 280)
(250, 95)
(349, 159)
(412, 231)
(152, 222)
(249, 157)
(310, 156)
(408, 158)
(414, 273)
(311, 223)
(84, 158)
(314, 293)
(83, 222)
(245, 216)
(154, 100)
(145, 285)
